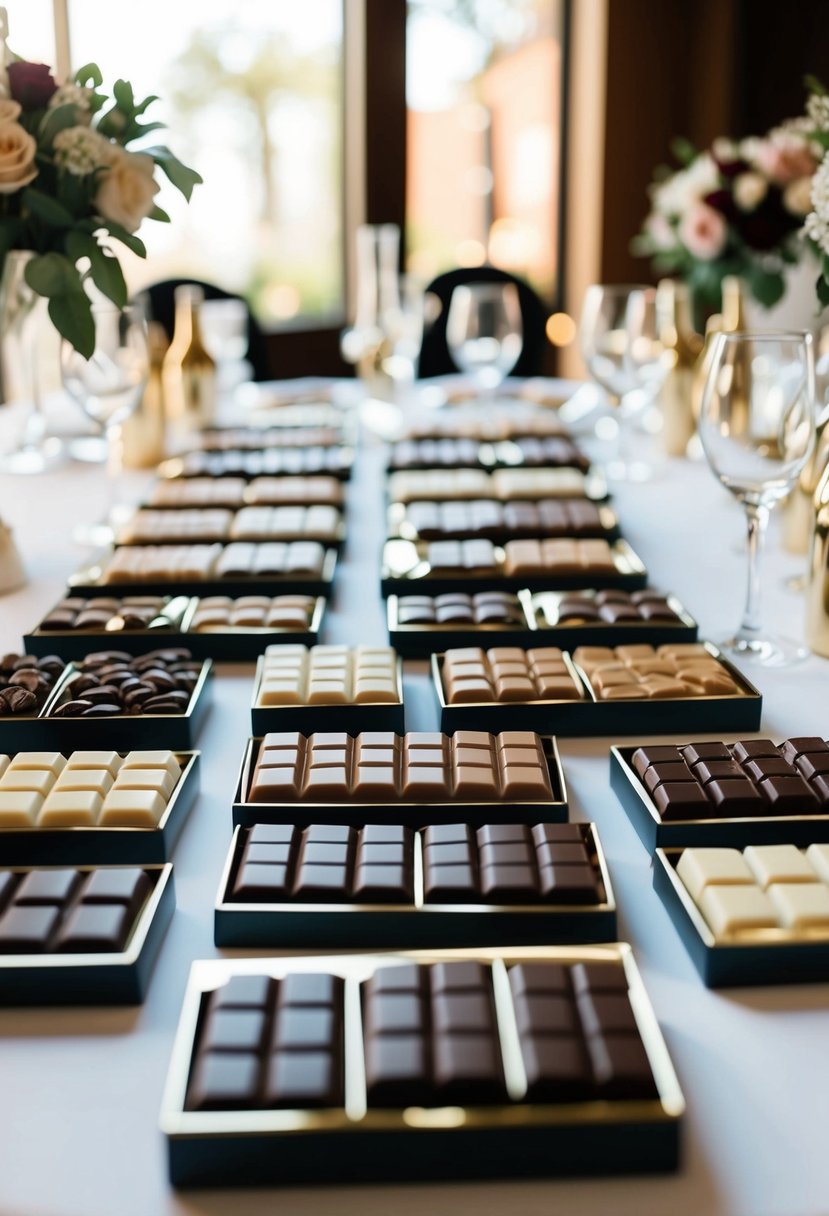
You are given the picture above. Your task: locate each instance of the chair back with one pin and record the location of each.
(163, 307)
(435, 359)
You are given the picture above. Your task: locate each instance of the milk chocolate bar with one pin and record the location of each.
(446, 453)
(641, 672)
(149, 526)
(198, 492)
(467, 423)
(322, 523)
(527, 558)
(543, 451)
(379, 766)
(498, 521)
(507, 673)
(197, 563)
(609, 607)
(220, 613)
(254, 438)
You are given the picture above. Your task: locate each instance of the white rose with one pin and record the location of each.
(9, 110)
(797, 197)
(749, 190)
(17, 158)
(127, 190)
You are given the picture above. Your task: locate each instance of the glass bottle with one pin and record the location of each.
(798, 513)
(677, 335)
(143, 433)
(188, 372)
(817, 589)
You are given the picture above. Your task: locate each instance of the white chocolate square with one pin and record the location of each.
(734, 909)
(279, 692)
(111, 761)
(327, 692)
(294, 650)
(132, 809)
(157, 759)
(772, 863)
(52, 762)
(700, 868)
(97, 779)
(818, 857)
(19, 808)
(70, 809)
(375, 690)
(36, 780)
(4, 764)
(159, 779)
(801, 905)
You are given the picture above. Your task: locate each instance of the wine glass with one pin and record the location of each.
(108, 386)
(757, 428)
(620, 345)
(484, 333)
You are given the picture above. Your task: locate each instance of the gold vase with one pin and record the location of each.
(677, 335)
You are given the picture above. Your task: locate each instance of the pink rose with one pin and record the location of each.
(703, 231)
(784, 159)
(32, 84)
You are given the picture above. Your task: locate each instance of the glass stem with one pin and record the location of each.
(34, 428)
(757, 516)
(114, 466)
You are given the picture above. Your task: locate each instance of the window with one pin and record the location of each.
(484, 135)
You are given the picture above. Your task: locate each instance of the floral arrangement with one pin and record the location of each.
(735, 209)
(68, 185)
(816, 126)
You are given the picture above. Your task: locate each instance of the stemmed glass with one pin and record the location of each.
(757, 428)
(619, 338)
(484, 333)
(108, 387)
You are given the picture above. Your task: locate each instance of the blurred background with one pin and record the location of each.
(519, 132)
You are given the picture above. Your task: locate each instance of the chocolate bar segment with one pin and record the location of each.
(493, 520)
(754, 777)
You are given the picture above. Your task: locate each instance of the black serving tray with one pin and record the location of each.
(407, 572)
(94, 846)
(221, 645)
(418, 925)
(96, 978)
(768, 956)
(173, 467)
(88, 581)
(682, 833)
(421, 641)
(229, 1148)
(400, 527)
(123, 732)
(590, 716)
(352, 718)
(414, 813)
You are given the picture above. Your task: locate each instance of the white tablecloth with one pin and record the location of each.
(81, 1089)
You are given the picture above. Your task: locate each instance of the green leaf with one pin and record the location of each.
(123, 94)
(137, 129)
(51, 274)
(89, 76)
(158, 214)
(57, 120)
(814, 85)
(126, 238)
(46, 208)
(683, 150)
(71, 315)
(822, 288)
(183, 178)
(148, 101)
(767, 286)
(104, 268)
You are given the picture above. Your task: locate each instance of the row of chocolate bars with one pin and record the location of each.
(507, 1019)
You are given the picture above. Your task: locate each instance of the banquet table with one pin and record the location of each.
(82, 1088)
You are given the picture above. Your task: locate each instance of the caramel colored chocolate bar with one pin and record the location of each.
(641, 672)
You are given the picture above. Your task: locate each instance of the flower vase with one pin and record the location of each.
(798, 308)
(23, 320)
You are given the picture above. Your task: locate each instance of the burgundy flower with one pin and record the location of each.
(722, 201)
(731, 168)
(32, 84)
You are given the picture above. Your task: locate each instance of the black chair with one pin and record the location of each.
(162, 306)
(435, 359)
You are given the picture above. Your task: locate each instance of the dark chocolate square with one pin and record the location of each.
(682, 800)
